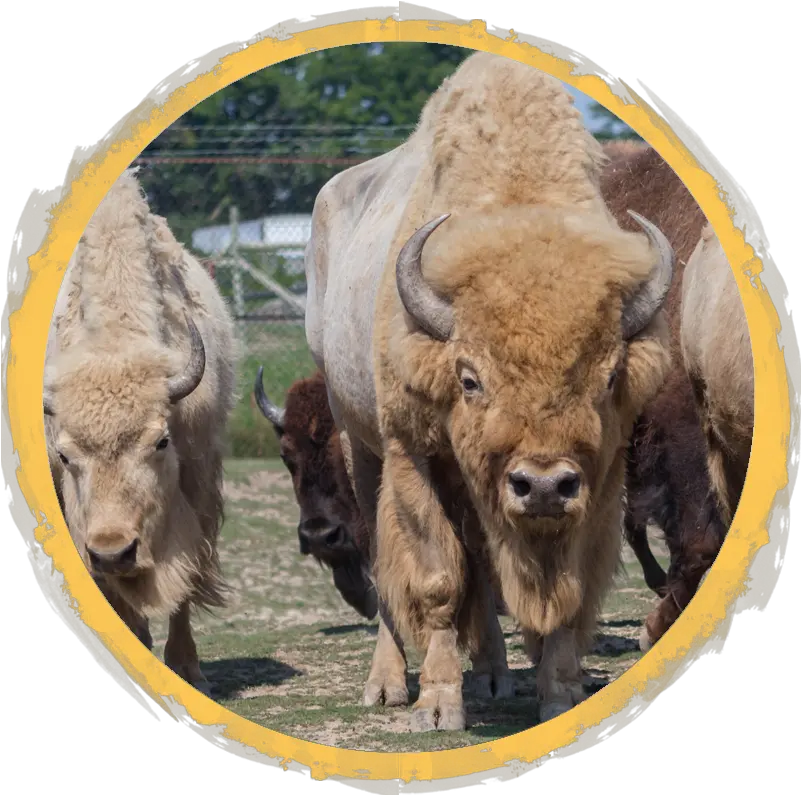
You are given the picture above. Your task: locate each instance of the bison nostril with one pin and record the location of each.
(335, 537)
(568, 486)
(119, 559)
(521, 485)
(128, 555)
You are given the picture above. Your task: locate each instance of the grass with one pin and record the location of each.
(289, 654)
(282, 350)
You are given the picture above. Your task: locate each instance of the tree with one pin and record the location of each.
(611, 127)
(355, 101)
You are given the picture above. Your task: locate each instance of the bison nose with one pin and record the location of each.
(113, 561)
(543, 494)
(318, 535)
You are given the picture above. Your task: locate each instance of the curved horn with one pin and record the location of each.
(268, 408)
(179, 386)
(639, 310)
(434, 315)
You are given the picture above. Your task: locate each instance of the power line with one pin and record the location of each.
(234, 152)
(287, 127)
(248, 160)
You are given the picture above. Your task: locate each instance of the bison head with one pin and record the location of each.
(118, 466)
(331, 526)
(534, 337)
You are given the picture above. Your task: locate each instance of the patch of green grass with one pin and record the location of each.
(282, 350)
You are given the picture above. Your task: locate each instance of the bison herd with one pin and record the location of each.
(530, 347)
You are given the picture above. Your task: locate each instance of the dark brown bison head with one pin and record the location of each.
(331, 527)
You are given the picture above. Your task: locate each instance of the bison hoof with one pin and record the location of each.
(448, 718)
(493, 686)
(390, 694)
(504, 686)
(203, 686)
(438, 711)
(553, 709)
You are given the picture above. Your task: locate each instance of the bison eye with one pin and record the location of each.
(470, 385)
(64, 459)
(163, 442)
(612, 379)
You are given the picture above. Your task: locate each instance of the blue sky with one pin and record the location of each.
(583, 103)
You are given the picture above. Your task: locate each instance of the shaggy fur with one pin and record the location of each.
(717, 352)
(312, 453)
(512, 162)
(499, 146)
(119, 333)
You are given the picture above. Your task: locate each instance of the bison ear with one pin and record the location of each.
(275, 415)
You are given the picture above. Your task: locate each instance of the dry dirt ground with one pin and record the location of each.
(289, 654)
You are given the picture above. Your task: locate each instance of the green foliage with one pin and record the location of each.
(272, 113)
(610, 127)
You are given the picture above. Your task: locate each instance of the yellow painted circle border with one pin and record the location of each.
(726, 580)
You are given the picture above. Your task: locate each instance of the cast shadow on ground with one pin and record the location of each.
(620, 622)
(369, 629)
(491, 719)
(229, 677)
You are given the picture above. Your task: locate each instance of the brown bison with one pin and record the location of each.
(667, 481)
(716, 348)
(138, 386)
(487, 376)
(331, 527)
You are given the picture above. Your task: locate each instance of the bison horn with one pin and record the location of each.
(268, 408)
(179, 386)
(639, 310)
(433, 314)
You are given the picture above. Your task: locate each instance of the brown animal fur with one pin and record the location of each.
(312, 453)
(667, 480)
(529, 232)
(118, 334)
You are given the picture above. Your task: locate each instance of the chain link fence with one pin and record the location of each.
(258, 267)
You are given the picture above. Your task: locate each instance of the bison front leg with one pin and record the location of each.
(421, 568)
(637, 539)
(440, 705)
(387, 681)
(180, 652)
(491, 677)
(700, 546)
(559, 674)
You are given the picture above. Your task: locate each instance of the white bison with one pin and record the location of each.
(139, 382)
